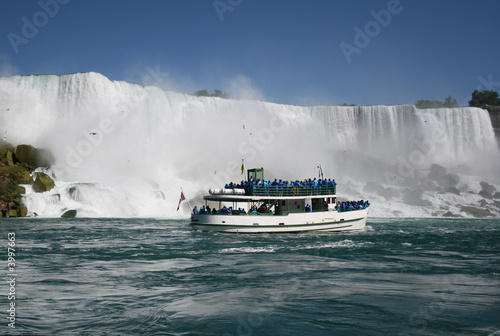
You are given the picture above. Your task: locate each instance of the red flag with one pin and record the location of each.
(180, 201)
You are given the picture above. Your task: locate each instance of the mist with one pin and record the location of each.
(128, 149)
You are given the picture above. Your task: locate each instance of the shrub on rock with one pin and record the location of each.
(43, 183)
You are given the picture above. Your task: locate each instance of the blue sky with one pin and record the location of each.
(366, 52)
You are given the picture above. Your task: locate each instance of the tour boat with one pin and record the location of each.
(275, 209)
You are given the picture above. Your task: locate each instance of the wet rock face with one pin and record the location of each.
(25, 154)
(438, 180)
(437, 172)
(476, 212)
(440, 175)
(43, 182)
(488, 188)
(454, 190)
(16, 166)
(33, 157)
(69, 214)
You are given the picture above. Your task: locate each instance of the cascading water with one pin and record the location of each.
(126, 150)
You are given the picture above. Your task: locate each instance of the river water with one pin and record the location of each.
(157, 277)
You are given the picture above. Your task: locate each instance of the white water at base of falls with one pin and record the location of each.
(125, 150)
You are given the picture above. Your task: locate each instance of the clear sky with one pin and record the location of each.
(303, 52)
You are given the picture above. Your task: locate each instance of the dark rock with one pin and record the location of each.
(485, 194)
(6, 157)
(69, 214)
(476, 212)
(490, 189)
(32, 157)
(17, 174)
(43, 182)
(26, 154)
(6, 151)
(22, 211)
(442, 177)
(5, 183)
(437, 172)
(18, 190)
(496, 195)
(452, 179)
(453, 190)
(450, 214)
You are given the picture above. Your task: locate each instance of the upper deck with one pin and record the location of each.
(256, 188)
(290, 191)
(271, 192)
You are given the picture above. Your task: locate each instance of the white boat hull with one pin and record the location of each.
(293, 222)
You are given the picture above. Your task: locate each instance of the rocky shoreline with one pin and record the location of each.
(23, 165)
(439, 180)
(17, 168)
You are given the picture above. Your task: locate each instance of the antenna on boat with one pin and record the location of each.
(320, 175)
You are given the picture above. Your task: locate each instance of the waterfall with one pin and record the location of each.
(124, 149)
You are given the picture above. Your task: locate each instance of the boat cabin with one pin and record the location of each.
(278, 200)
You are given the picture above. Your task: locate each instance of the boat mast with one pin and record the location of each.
(321, 176)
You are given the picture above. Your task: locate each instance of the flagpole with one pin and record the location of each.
(182, 191)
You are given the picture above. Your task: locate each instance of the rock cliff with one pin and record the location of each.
(17, 165)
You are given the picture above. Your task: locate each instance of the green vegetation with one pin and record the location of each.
(484, 98)
(16, 166)
(69, 214)
(479, 99)
(449, 102)
(217, 93)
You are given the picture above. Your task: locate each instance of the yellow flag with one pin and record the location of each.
(242, 167)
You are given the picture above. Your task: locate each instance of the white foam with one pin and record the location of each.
(133, 143)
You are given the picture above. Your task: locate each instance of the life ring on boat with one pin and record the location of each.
(296, 191)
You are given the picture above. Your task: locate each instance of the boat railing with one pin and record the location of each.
(290, 190)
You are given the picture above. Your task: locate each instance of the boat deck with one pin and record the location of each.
(290, 190)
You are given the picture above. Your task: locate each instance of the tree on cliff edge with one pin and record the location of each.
(483, 98)
(449, 102)
(217, 93)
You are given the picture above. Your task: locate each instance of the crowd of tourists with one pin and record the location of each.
(281, 183)
(224, 210)
(249, 185)
(352, 205)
